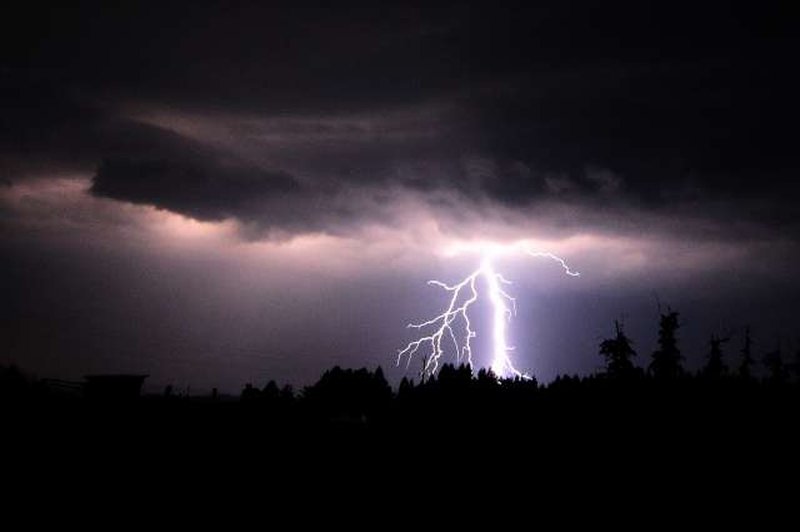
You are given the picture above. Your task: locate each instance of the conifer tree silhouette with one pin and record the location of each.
(715, 367)
(745, 371)
(666, 363)
(777, 371)
(618, 353)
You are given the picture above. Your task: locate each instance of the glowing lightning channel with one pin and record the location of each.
(456, 316)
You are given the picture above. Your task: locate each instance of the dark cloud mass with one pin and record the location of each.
(202, 191)
(675, 103)
(672, 101)
(626, 119)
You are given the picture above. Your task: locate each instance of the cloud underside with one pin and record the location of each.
(282, 177)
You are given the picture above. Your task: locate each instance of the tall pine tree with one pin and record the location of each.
(746, 365)
(715, 367)
(666, 363)
(618, 353)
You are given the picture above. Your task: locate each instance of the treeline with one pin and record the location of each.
(666, 362)
(361, 396)
(656, 420)
(361, 393)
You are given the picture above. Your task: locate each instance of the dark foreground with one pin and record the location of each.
(615, 444)
(354, 414)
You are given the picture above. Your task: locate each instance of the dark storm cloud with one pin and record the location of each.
(651, 106)
(202, 190)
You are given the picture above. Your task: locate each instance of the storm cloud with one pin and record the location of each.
(301, 106)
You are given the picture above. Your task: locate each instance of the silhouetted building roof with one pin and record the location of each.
(114, 387)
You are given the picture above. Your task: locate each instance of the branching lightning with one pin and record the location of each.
(453, 326)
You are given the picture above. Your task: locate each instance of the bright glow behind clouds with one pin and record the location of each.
(219, 288)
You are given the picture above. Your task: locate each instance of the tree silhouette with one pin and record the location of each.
(777, 371)
(745, 371)
(715, 368)
(406, 388)
(287, 393)
(250, 393)
(271, 392)
(455, 377)
(618, 353)
(666, 363)
(357, 394)
(486, 380)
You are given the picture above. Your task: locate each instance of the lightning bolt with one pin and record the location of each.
(453, 326)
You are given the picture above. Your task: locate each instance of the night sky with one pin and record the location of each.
(220, 193)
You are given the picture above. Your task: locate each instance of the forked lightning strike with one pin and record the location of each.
(453, 326)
